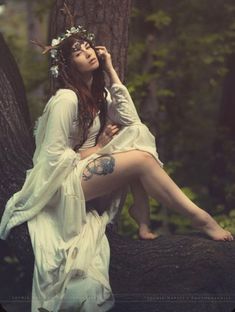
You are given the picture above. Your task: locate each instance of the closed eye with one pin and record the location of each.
(87, 46)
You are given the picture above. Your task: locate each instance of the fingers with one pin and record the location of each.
(101, 47)
(110, 130)
(114, 131)
(101, 50)
(108, 133)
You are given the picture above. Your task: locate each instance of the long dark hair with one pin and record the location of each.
(88, 101)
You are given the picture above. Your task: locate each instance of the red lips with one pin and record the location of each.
(92, 60)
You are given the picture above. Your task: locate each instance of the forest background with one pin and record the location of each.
(181, 75)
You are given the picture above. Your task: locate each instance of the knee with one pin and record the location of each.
(145, 158)
(146, 155)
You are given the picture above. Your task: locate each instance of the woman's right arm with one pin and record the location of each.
(104, 138)
(89, 151)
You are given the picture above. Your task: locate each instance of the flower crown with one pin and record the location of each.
(55, 43)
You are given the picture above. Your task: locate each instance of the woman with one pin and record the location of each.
(129, 166)
(88, 146)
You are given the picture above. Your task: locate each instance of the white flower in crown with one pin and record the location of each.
(68, 33)
(54, 70)
(91, 36)
(53, 53)
(74, 30)
(56, 41)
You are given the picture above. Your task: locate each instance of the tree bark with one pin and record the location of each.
(16, 148)
(172, 273)
(10, 68)
(16, 142)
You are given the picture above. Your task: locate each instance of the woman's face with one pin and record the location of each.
(84, 57)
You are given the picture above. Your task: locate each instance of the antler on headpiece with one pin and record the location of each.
(67, 12)
(45, 48)
(55, 43)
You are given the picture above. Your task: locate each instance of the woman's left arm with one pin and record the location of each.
(121, 107)
(108, 65)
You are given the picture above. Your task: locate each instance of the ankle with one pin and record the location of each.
(201, 218)
(144, 226)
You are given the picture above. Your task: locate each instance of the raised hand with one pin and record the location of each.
(107, 134)
(103, 53)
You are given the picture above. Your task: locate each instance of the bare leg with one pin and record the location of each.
(139, 211)
(112, 171)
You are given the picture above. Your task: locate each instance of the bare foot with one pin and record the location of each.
(144, 232)
(205, 223)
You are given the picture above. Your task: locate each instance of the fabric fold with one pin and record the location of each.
(53, 161)
(71, 250)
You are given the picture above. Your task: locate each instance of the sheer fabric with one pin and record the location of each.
(70, 246)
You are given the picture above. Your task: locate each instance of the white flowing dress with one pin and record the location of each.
(71, 249)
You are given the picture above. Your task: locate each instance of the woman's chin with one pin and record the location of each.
(96, 65)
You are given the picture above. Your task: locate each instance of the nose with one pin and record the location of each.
(87, 52)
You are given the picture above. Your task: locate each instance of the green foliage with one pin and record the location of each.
(227, 221)
(182, 47)
(33, 68)
(11, 260)
(32, 65)
(160, 19)
(127, 225)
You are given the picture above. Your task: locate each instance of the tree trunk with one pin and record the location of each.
(10, 68)
(16, 148)
(16, 142)
(172, 273)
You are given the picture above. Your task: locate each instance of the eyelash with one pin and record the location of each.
(87, 47)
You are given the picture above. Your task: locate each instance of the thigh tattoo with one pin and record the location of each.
(100, 166)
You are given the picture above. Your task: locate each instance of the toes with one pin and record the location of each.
(229, 236)
(148, 235)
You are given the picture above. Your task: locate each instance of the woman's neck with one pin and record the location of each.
(88, 80)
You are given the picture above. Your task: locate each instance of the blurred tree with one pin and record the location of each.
(222, 184)
(16, 149)
(28, 21)
(178, 92)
